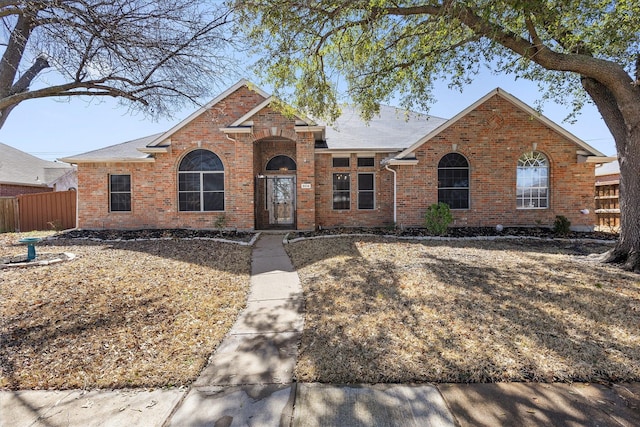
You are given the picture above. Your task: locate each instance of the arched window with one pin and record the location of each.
(532, 181)
(281, 163)
(453, 181)
(201, 182)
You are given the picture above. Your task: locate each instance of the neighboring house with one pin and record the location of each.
(608, 196)
(22, 173)
(239, 162)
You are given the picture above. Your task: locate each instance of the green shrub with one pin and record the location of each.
(562, 225)
(220, 223)
(438, 218)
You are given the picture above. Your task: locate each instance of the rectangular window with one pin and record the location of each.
(340, 162)
(341, 191)
(366, 193)
(200, 191)
(366, 162)
(119, 193)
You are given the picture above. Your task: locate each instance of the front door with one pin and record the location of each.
(281, 200)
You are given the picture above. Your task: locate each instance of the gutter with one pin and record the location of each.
(395, 204)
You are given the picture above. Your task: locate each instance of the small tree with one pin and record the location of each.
(437, 218)
(561, 225)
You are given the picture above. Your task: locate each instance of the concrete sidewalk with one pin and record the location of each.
(249, 382)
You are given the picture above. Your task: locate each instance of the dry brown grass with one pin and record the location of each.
(465, 311)
(126, 314)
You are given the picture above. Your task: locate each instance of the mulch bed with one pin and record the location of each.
(174, 233)
(540, 232)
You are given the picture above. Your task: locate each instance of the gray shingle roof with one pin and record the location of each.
(126, 151)
(18, 167)
(392, 128)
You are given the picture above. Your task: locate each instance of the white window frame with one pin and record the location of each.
(372, 191)
(533, 163)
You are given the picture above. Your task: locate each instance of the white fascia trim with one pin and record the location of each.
(76, 161)
(355, 150)
(223, 95)
(401, 162)
(308, 128)
(156, 149)
(515, 101)
(239, 129)
(601, 159)
(25, 184)
(252, 112)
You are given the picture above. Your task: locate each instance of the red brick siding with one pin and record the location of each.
(326, 216)
(10, 190)
(492, 137)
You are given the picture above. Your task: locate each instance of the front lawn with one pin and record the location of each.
(122, 314)
(383, 310)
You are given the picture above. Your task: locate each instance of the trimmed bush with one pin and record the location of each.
(437, 218)
(562, 225)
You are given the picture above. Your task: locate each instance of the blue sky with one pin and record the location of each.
(51, 129)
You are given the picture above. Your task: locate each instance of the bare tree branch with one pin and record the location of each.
(156, 54)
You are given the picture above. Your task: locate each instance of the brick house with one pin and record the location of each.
(22, 173)
(240, 162)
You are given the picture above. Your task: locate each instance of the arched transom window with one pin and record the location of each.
(453, 181)
(532, 182)
(281, 163)
(201, 182)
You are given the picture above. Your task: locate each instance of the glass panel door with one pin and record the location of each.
(281, 200)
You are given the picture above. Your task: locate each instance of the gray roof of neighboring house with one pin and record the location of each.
(393, 128)
(127, 151)
(20, 168)
(608, 169)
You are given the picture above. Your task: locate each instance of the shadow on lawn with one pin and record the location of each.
(100, 322)
(537, 318)
(219, 255)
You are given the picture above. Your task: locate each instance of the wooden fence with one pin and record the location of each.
(8, 214)
(40, 211)
(608, 205)
(47, 211)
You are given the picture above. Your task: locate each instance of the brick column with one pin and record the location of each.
(306, 181)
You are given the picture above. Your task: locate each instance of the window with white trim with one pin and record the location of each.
(366, 162)
(341, 191)
(366, 191)
(532, 181)
(453, 181)
(201, 182)
(120, 193)
(340, 162)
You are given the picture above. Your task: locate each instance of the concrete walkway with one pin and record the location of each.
(249, 382)
(249, 379)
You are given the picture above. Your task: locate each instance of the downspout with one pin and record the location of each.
(395, 219)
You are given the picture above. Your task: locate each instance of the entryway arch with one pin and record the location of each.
(275, 186)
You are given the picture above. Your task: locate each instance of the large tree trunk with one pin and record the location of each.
(627, 251)
(625, 128)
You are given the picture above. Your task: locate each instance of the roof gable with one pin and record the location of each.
(407, 153)
(161, 138)
(264, 104)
